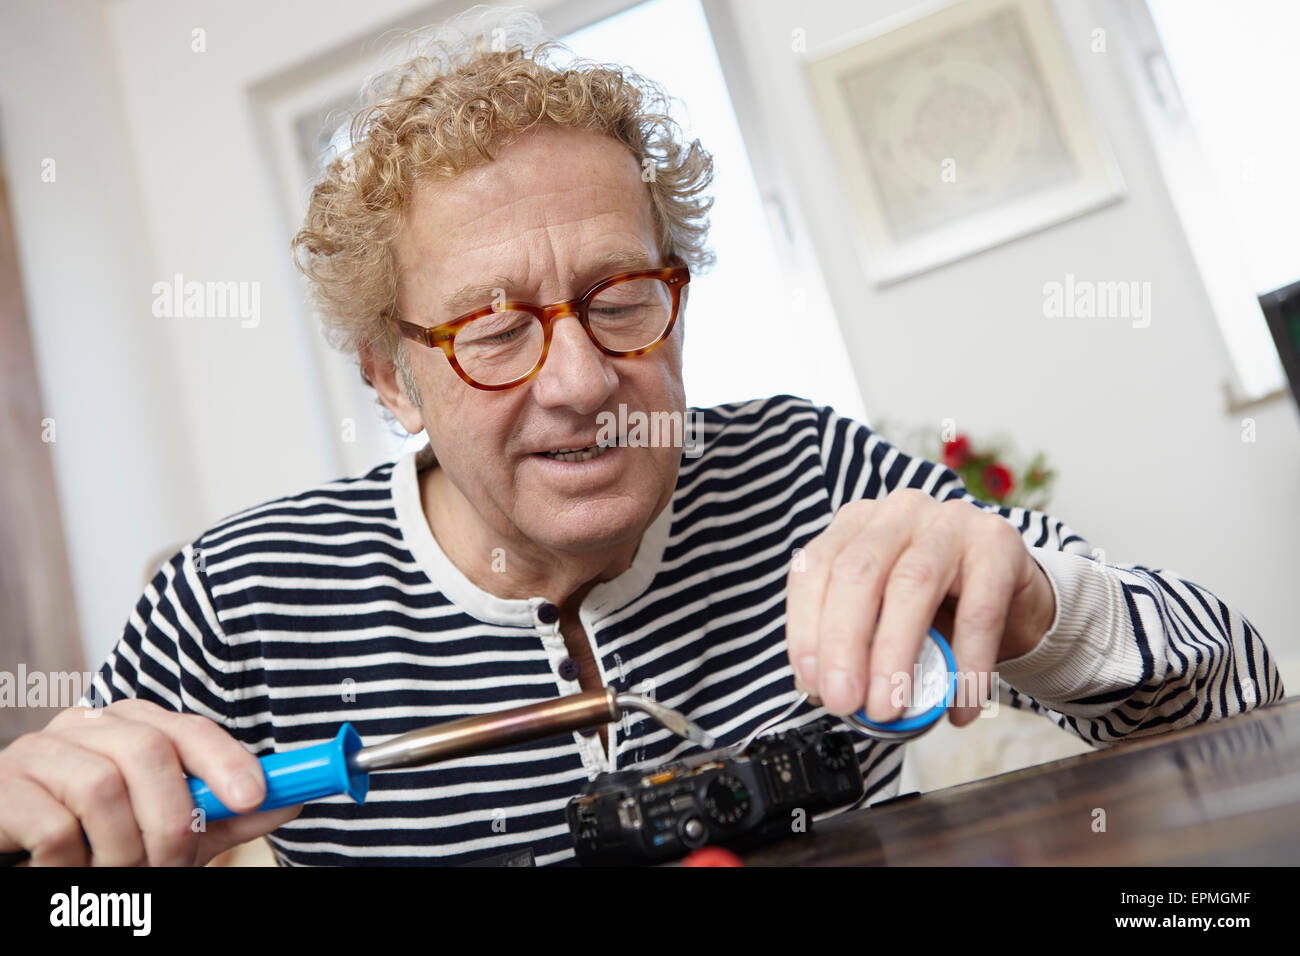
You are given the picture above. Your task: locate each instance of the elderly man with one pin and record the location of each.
(508, 249)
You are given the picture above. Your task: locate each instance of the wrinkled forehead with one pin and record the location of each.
(555, 203)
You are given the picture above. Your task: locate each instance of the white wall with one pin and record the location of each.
(123, 450)
(165, 425)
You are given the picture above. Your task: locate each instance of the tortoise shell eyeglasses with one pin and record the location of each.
(505, 344)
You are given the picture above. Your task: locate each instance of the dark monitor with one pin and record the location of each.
(1282, 310)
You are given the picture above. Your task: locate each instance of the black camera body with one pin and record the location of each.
(720, 799)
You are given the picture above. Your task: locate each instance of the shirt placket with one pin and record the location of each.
(546, 621)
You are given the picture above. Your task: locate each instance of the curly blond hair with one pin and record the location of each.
(470, 88)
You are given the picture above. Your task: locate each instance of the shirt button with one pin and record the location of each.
(548, 613)
(569, 669)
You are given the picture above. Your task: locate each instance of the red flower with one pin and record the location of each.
(956, 453)
(998, 481)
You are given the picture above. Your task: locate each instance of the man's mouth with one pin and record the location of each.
(575, 454)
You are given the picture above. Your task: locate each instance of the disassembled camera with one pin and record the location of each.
(737, 800)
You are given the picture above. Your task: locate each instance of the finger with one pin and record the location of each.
(917, 585)
(943, 617)
(148, 772)
(221, 835)
(806, 590)
(90, 785)
(206, 750)
(35, 821)
(854, 591)
(987, 587)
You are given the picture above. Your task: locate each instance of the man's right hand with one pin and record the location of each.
(119, 773)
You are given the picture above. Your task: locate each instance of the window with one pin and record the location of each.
(1216, 83)
(1236, 69)
(725, 315)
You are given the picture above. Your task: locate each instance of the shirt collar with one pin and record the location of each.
(602, 599)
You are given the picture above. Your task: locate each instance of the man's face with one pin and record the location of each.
(542, 216)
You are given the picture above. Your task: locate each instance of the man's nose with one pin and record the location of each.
(576, 373)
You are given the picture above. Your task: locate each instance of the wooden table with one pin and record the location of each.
(1222, 793)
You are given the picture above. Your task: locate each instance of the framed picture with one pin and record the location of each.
(959, 130)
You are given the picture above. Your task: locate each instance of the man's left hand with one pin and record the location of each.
(913, 563)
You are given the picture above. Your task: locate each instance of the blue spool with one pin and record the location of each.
(908, 726)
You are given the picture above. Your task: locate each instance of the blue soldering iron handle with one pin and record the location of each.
(296, 776)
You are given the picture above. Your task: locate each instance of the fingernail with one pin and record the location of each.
(840, 693)
(879, 708)
(808, 672)
(245, 789)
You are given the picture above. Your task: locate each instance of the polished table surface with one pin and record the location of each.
(1226, 792)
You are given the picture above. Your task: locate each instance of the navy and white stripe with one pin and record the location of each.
(290, 618)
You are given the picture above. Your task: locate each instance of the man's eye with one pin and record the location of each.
(506, 336)
(495, 330)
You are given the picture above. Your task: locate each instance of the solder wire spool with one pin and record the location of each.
(937, 670)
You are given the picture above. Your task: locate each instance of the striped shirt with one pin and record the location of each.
(290, 618)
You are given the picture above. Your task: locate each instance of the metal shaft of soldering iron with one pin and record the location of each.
(473, 735)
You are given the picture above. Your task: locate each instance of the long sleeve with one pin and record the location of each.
(1132, 651)
(172, 651)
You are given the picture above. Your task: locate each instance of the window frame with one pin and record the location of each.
(1257, 373)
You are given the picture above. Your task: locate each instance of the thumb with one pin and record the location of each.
(221, 835)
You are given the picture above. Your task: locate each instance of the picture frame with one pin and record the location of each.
(957, 129)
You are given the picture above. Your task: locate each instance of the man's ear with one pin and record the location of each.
(382, 375)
